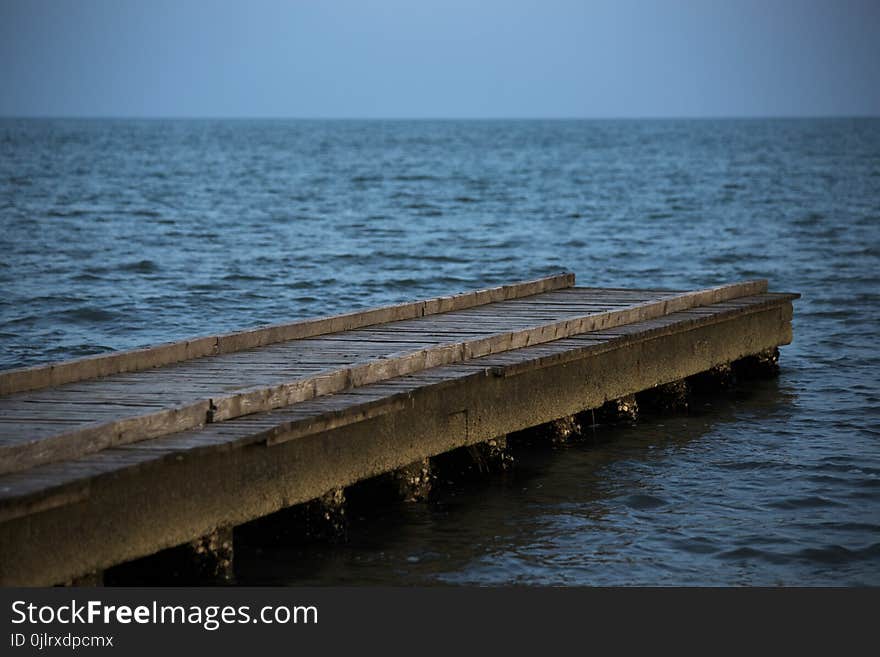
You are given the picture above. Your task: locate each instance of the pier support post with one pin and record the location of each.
(556, 432)
(763, 365)
(94, 578)
(564, 429)
(211, 557)
(473, 460)
(207, 560)
(720, 377)
(412, 483)
(672, 397)
(325, 517)
(492, 455)
(623, 410)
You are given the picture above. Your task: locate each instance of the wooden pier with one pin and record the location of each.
(110, 458)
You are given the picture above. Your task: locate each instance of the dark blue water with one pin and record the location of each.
(117, 234)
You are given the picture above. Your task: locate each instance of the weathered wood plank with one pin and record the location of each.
(100, 435)
(90, 367)
(340, 417)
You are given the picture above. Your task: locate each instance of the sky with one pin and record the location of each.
(439, 59)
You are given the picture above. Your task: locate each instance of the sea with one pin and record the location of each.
(123, 233)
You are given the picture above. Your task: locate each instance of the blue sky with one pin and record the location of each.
(431, 59)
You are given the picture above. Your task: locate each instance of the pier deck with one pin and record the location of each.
(110, 458)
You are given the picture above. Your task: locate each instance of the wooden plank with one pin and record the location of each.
(91, 367)
(335, 419)
(101, 435)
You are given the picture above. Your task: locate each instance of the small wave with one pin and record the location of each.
(838, 463)
(850, 526)
(86, 277)
(742, 553)
(308, 285)
(424, 257)
(466, 199)
(89, 314)
(837, 554)
(21, 320)
(85, 350)
(825, 479)
(863, 496)
(723, 259)
(140, 267)
(811, 219)
(828, 314)
(696, 545)
(245, 277)
(414, 178)
(641, 501)
(809, 502)
(402, 283)
(64, 214)
(747, 465)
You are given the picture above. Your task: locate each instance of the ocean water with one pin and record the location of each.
(117, 234)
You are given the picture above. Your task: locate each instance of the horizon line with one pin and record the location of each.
(171, 117)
